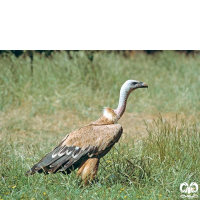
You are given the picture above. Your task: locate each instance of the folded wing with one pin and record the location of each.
(89, 141)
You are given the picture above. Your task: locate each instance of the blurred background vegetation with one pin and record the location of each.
(18, 53)
(89, 54)
(85, 81)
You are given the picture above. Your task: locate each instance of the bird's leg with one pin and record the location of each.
(88, 170)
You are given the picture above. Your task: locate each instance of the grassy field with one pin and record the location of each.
(160, 145)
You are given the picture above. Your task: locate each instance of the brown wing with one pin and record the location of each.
(100, 137)
(88, 141)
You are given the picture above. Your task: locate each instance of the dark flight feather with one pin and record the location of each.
(61, 158)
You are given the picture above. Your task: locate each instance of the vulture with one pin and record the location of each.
(84, 147)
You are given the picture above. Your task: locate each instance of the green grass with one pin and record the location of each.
(64, 94)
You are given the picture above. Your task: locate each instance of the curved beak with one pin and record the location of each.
(143, 85)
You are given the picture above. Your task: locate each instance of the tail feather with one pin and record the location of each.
(34, 169)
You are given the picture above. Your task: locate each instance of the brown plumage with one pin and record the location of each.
(84, 147)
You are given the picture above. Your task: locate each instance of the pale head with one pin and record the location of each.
(131, 85)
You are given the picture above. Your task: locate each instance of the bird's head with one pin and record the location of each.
(131, 85)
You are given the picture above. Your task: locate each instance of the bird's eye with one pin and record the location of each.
(134, 83)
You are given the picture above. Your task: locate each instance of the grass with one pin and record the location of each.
(64, 94)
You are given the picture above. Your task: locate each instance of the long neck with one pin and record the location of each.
(124, 93)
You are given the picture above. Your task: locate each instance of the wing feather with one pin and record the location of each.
(88, 141)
